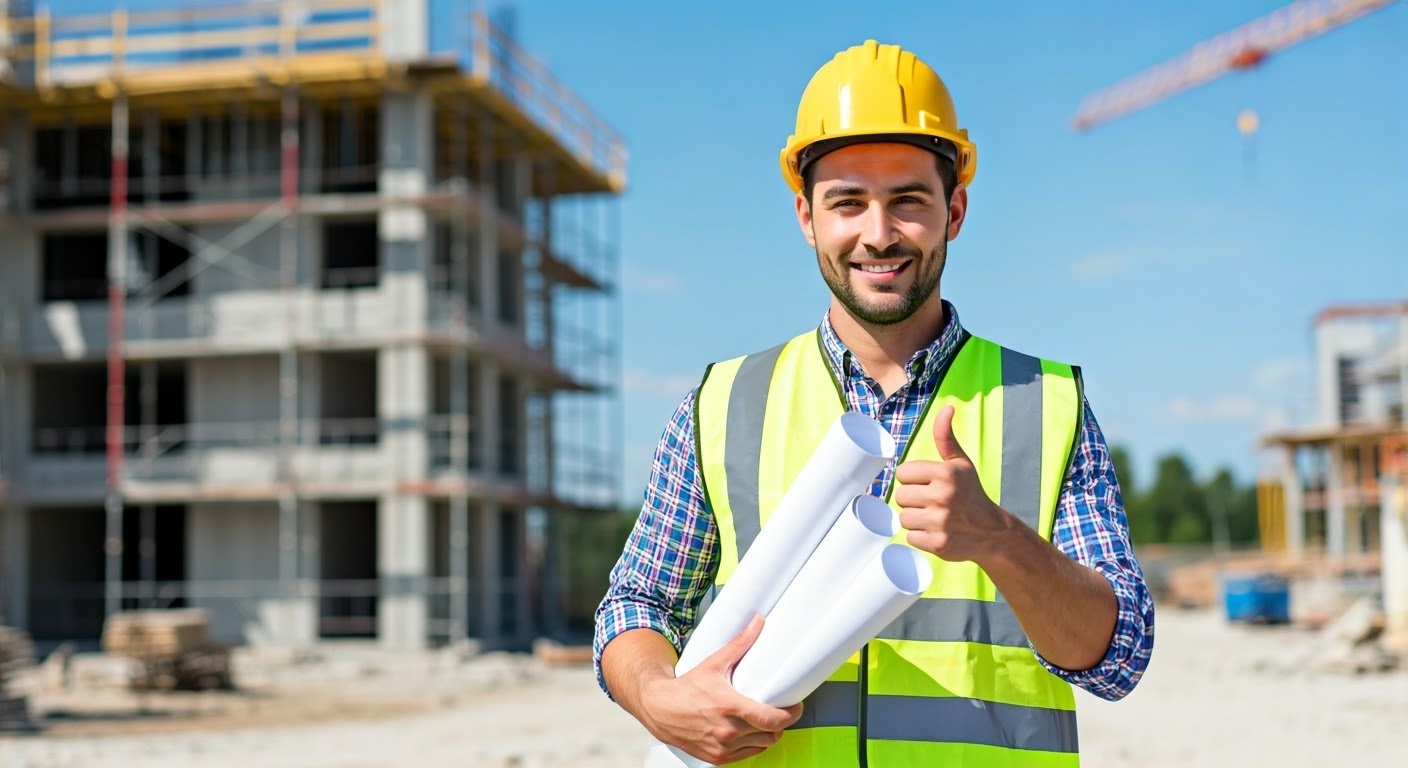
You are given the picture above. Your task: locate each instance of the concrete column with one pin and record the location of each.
(407, 165)
(403, 567)
(296, 622)
(1335, 523)
(490, 579)
(1294, 489)
(1393, 525)
(403, 519)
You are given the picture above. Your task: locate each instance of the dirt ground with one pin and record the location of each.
(1214, 695)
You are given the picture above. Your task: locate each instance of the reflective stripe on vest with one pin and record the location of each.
(953, 678)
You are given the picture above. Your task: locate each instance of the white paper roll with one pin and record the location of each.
(843, 466)
(854, 541)
(884, 588)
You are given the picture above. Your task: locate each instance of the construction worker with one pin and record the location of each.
(1004, 478)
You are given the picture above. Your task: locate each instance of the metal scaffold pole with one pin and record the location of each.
(289, 527)
(116, 396)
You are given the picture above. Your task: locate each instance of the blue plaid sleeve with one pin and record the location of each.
(672, 553)
(1091, 528)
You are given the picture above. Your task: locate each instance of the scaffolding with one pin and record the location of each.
(465, 207)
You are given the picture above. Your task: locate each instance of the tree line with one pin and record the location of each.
(1179, 508)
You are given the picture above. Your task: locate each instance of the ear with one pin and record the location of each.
(957, 210)
(804, 219)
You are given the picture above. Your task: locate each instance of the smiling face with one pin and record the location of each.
(880, 222)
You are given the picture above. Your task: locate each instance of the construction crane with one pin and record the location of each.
(1240, 49)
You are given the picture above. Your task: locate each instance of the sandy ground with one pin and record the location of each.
(1214, 695)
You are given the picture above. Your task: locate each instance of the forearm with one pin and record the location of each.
(1067, 610)
(631, 662)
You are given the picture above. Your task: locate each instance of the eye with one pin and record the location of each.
(910, 200)
(845, 204)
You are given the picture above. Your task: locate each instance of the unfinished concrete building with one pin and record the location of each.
(309, 319)
(1342, 493)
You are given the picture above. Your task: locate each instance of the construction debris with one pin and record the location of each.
(1353, 643)
(16, 654)
(172, 649)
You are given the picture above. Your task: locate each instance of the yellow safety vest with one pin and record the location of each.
(953, 681)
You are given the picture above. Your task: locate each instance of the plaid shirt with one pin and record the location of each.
(672, 554)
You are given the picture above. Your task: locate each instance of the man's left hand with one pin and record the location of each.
(943, 504)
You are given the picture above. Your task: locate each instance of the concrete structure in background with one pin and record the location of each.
(1340, 492)
(302, 320)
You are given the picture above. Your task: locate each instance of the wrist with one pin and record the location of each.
(1000, 545)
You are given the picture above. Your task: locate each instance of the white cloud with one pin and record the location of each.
(1221, 408)
(641, 280)
(1274, 388)
(637, 382)
(1103, 264)
(1279, 374)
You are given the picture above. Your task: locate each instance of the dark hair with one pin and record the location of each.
(947, 174)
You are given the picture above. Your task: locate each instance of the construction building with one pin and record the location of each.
(1341, 496)
(308, 317)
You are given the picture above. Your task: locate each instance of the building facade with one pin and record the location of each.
(306, 318)
(1342, 491)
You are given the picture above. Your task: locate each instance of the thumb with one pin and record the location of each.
(944, 440)
(729, 654)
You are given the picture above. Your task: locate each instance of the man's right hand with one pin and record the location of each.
(701, 713)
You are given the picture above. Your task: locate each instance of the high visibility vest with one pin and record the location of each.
(953, 681)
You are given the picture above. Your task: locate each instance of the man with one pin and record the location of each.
(1004, 478)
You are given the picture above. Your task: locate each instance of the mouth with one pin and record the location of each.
(882, 271)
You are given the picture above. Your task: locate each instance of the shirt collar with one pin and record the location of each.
(926, 362)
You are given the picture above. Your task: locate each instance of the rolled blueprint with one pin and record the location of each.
(857, 538)
(843, 466)
(809, 652)
(884, 588)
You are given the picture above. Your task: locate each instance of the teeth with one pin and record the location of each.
(879, 267)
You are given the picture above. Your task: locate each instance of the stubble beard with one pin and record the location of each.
(837, 273)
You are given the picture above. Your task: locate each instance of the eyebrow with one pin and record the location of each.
(856, 191)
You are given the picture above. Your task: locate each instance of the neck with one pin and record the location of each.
(884, 350)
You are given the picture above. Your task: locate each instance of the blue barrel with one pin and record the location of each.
(1261, 598)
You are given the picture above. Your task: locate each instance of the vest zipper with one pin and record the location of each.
(862, 687)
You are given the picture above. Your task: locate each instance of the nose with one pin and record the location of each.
(879, 231)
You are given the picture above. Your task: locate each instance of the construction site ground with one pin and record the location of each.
(1215, 694)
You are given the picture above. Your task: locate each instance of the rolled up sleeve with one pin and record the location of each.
(1092, 529)
(671, 555)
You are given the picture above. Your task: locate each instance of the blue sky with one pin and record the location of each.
(1178, 266)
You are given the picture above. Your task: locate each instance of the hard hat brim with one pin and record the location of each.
(797, 155)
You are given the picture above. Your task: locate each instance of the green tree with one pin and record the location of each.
(1238, 502)
(1176, 504)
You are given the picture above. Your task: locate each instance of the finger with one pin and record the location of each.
(915, 472)
(733, 650)
(944, 440)
(761, 717)
(915, 519)
(913, 496)
(753, 738)
(739, 754)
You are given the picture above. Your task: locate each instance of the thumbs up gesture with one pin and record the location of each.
(943, 504)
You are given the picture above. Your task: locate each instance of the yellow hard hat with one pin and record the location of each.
(876, 92)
